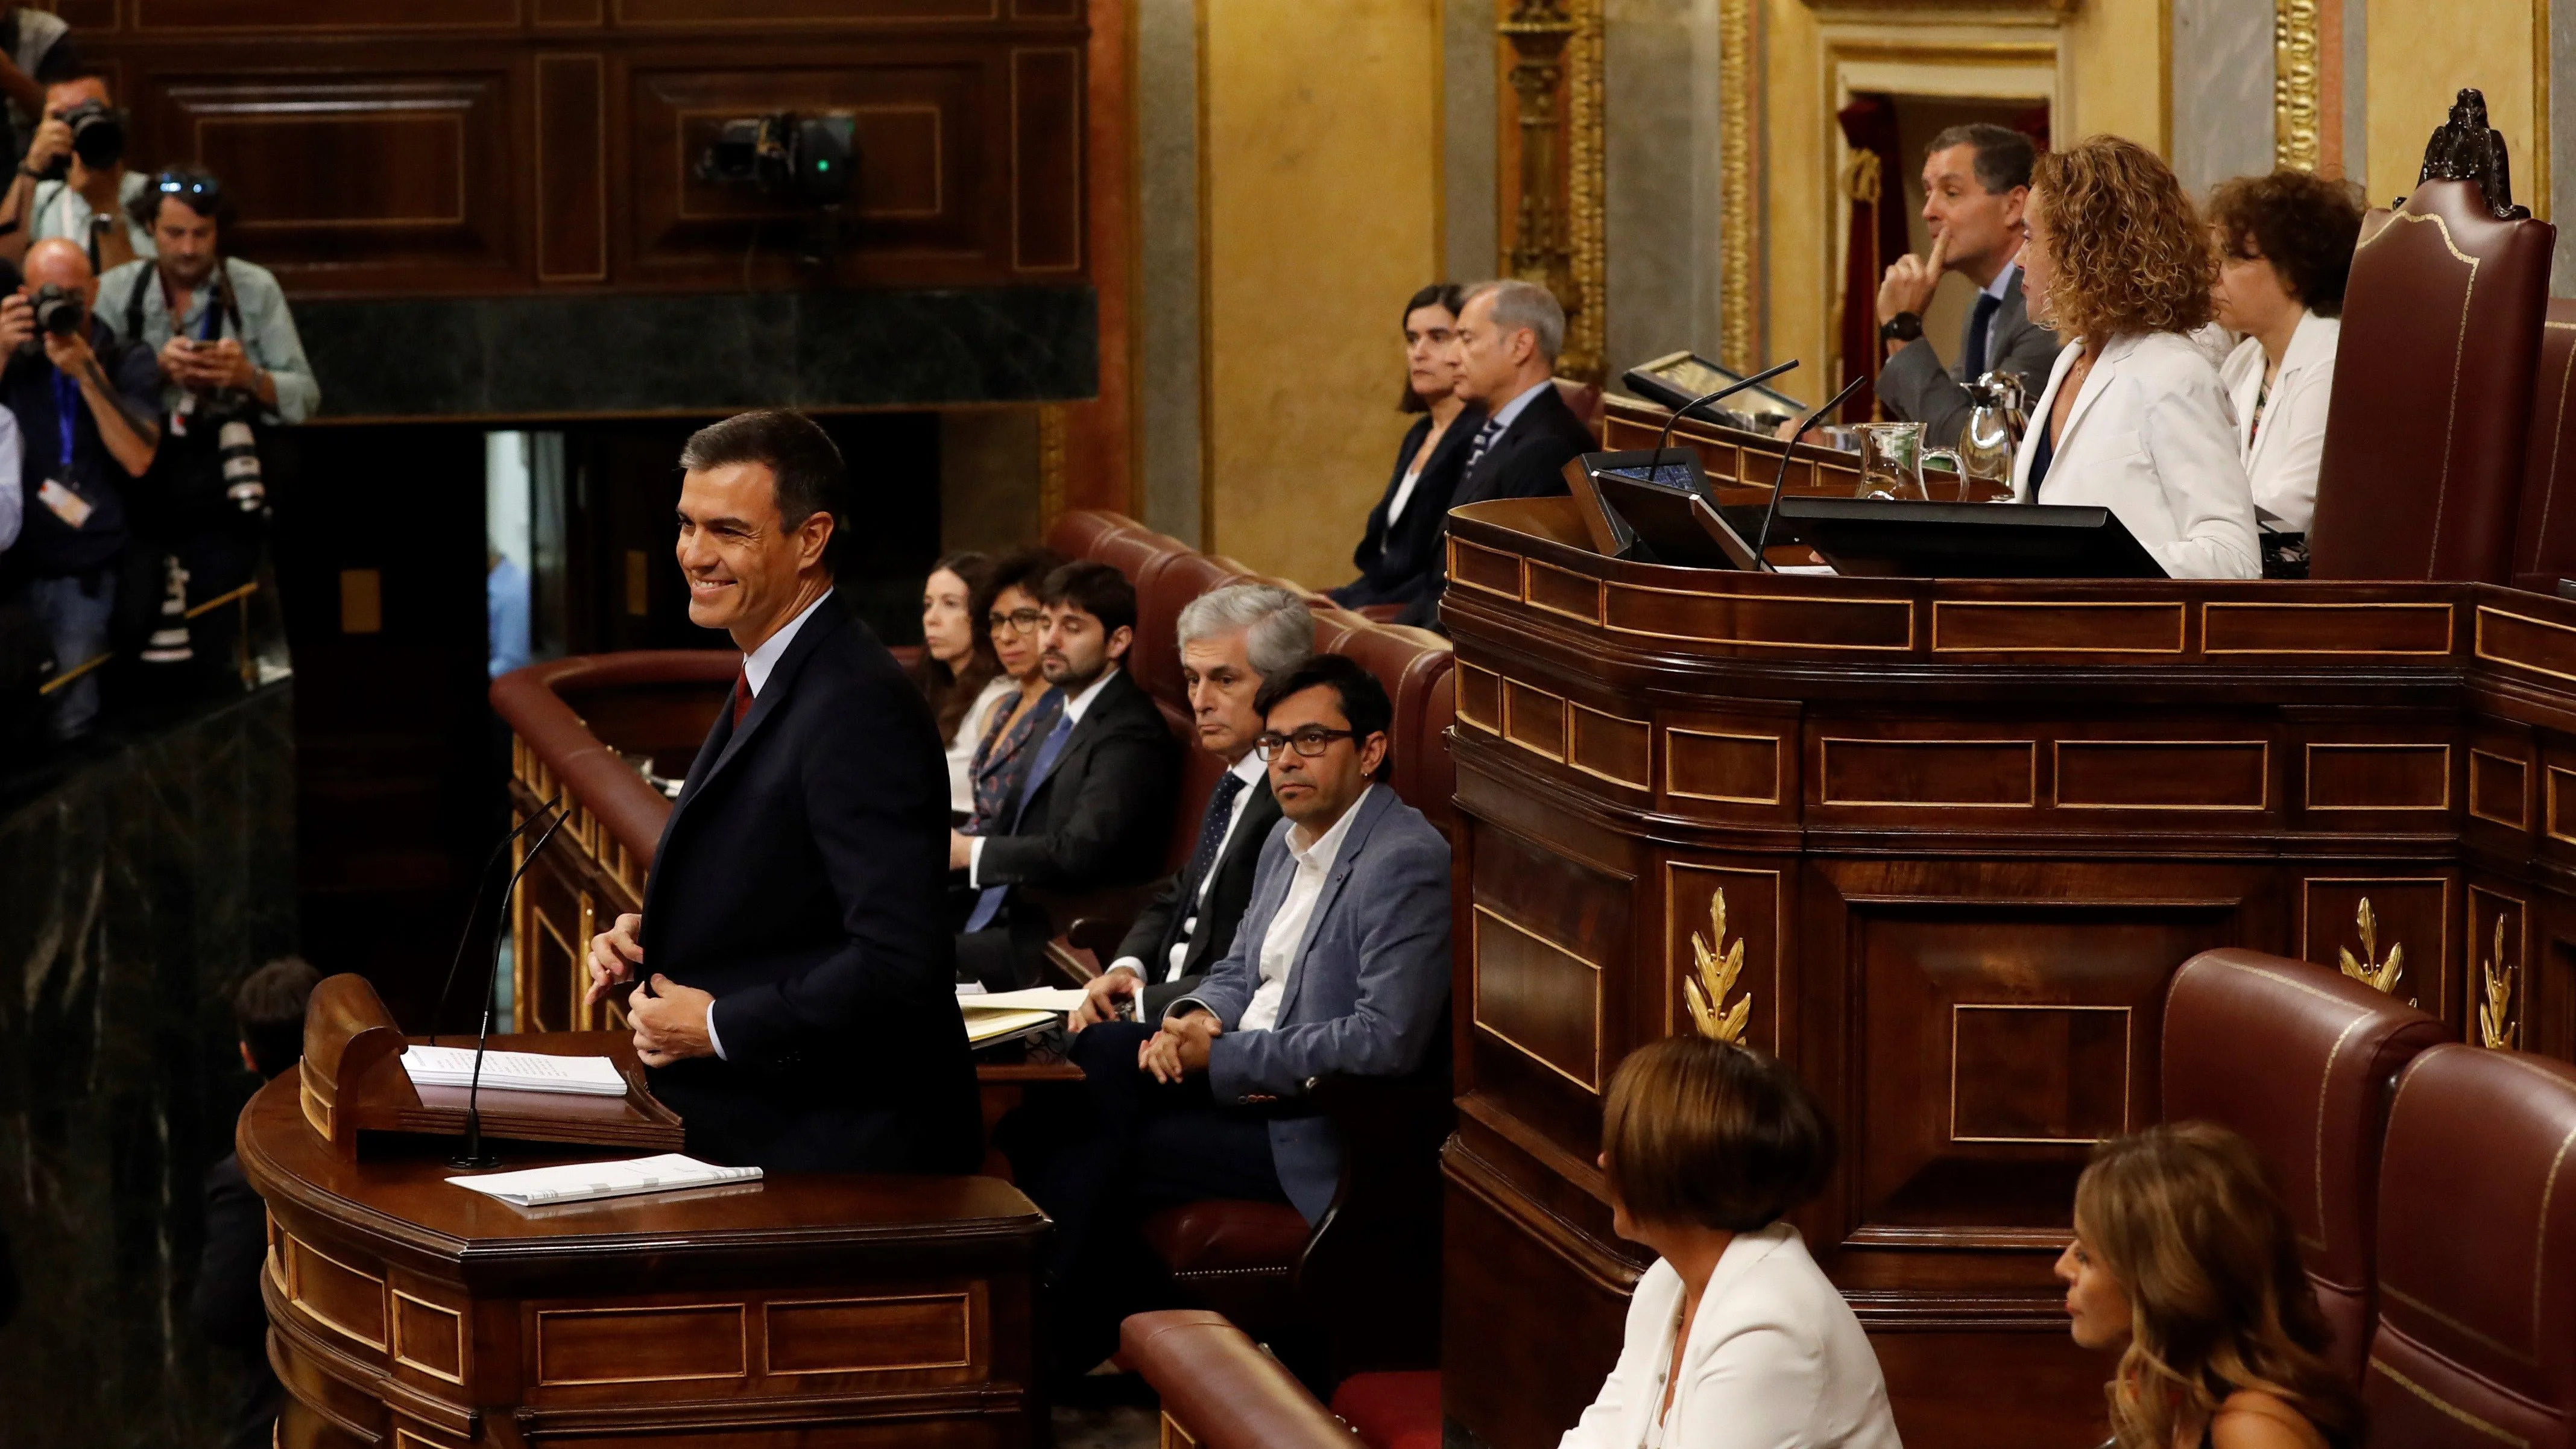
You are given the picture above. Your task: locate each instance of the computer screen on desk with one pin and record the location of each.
(1654, 506)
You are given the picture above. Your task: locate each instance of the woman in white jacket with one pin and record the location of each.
(2285, 245)
(2134, 419)
(1735, 1338)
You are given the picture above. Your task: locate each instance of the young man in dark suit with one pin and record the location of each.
(1233, 640)
(800, 1014)
(1097, 806)
(1507, 340)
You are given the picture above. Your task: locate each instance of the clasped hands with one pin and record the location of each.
(670, 1020)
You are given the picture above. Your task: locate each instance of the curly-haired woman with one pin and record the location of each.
(2134, 419)
(2185, 1263)
(2284, 251)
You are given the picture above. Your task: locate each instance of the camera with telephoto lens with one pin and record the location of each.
(238, 448)
(98, 139)
(58, 311)
(807, 159)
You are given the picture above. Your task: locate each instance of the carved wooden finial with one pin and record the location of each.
(2466, 148)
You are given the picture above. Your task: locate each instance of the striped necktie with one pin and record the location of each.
(1484, 439)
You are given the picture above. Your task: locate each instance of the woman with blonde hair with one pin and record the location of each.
(2186, 1263)
(2134, 418)
(1735, 1338)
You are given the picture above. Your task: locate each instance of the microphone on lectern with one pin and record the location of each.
(1782, 480)
(473, 1155)
(482, 886)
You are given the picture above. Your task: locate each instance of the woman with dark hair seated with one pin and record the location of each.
(959, 675)
(1400, 554)
(2134, 419)
(1007, 606)
(1735, 1338)
(2185, 1262)
(2284, 252)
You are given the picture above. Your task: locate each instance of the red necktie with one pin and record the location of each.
(741, 695)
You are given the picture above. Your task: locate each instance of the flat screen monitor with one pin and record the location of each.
(1675, 380)
(1657, 508)
(1877, 538)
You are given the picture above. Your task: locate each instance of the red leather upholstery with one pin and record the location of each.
(2298, 1059)
(1391, 1410)
(2423, 461)
(1221, 1389)
(1414, 665)
(1167, 589)
(2476, 1339)
(2545, 543)
(1226, 1237)
(1079, 533)
(1585, 399)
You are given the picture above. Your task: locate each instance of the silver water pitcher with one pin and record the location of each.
(1995, 428)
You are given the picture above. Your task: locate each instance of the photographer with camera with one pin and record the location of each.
(86, 407)
(236, 369)
(35, 51)
(74, 184)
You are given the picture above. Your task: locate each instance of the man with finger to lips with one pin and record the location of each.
(795, 1002)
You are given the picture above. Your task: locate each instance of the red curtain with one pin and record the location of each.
(1874, 185)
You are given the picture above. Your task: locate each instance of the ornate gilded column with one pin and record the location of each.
(1737, 269)
(1553, 180)
(2297, 126)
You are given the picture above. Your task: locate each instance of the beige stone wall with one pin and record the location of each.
(2421, 53)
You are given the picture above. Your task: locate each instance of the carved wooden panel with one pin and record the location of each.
(429, 1337)
(1560, 592)
(1534, 719)
(155, 17)
(1610, 747)
(2293, 629)
(1046, 159)
(2498, 950)
(341, 1297)
(1538, 997)
(1480, 698)
(2410, 914)
(1858, 625)
(2378, 776)
(2500, 789)
(2163, 774)
(1928, 774)
(2519, 638)
(1541, 1009)
(1724, 767)
(1757, 915)
(1990, 626)
(870, 1335)
(639, 1346)
(572, 168)
(1483, 568)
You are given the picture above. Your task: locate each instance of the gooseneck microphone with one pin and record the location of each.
(473, 1155)
(1782, 479)
(482, 888)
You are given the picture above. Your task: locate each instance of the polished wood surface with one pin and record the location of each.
(1965, 832)
(803, 1309)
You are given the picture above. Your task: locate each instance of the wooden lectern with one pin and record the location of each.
(806, 1309)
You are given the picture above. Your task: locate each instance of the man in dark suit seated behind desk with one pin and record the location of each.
(1233, 641)
(1507, 339)
(1097, 805)
(800, 1015)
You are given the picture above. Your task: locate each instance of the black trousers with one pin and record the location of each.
(1101, 1159)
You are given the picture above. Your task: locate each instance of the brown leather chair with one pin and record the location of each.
(1220, 1390)
(1084, 531)
(1416, 667)
(2475, 1345)
(2545, 543)
(2299, 1061)
(1160, 597)
(1585, 399)
(2431, 408)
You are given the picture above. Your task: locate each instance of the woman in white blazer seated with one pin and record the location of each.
(2134, 419)
(2284, 253)
(1735, 1339)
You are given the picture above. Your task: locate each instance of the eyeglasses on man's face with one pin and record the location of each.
(1018, 621)
(1310, 742)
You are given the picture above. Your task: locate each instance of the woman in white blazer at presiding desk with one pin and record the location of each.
(2134, 418)
(1735, 1338)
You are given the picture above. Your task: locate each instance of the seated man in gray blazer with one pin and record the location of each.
(1976, 179)
(1340, 967)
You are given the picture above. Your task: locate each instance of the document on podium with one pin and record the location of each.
(436, 1066)
(585, 1181)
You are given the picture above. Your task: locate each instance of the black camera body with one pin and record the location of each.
(59, 310)
(807, 159)
(98, 139)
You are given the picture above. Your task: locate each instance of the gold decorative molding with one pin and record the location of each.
(1558, 235)
(1051, 465)
(1719, 966)
(2496, 1026)
(1736, 230)
(2297, 122)
(1586, 200)
(2380, 976)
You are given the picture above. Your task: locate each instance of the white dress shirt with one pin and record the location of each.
(1073, 709)
(1286, 937)
(1775, 1361)
(2281, 455)
(756, 666)
(1502, 418)
(2151, 437)
(1249, 770)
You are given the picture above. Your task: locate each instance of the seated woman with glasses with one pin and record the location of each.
(2186, 1264)
(2134, 419)
(1007, 604)
(1735, 1337)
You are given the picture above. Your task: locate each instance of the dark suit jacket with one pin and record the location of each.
(1102, 816)
(1158, 926)
(800, 879)
(1527, 461)
(1917, 389)
(226, 1305)
(1397, 564)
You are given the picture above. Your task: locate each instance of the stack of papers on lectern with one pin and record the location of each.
(583, 1181)
(435, 1066)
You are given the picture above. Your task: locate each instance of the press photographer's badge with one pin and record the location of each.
(68, 506)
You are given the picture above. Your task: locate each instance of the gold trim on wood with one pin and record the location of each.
(2297, 121)
(1573, 756)
(2449, 633)
(2056, 756)
(1825, 776)
(1051, 463)
(1556, 230)
(2549, 805)
(2371, 970)
(2180, 612)
(1705, 991)
(1478, 915)
(2128, 1061)
(456, 1326)
(1564, 731)
(1774, 741)
(1759, 599)
(1673, 871)
(2307, 784)
(2478, 643)
(2522, 790)
(1467, 717)
(742, 1320)
(965, 1346)
(2497, 1028)
(296, 1251)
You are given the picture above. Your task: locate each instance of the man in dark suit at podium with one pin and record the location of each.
(1508, 337)
(800, 1014)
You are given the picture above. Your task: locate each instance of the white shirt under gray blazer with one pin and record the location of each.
(2152, 437)
(2281, 458)
(1775, 1360)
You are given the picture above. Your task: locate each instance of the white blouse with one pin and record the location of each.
(970, 732)
(1775, 1361)
(2281, 455)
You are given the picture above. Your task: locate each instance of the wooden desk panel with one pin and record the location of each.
(1964, 831)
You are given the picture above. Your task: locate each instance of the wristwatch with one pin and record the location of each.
(1903, 327)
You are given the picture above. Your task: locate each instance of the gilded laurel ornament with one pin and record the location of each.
(2495, 1013)
(2380, 976)
(1719, 966)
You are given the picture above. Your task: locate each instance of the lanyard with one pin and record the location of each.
(66, 414)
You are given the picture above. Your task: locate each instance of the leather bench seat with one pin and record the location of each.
(1392, 1410)
(1226, 1237)
(1220, 1389)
